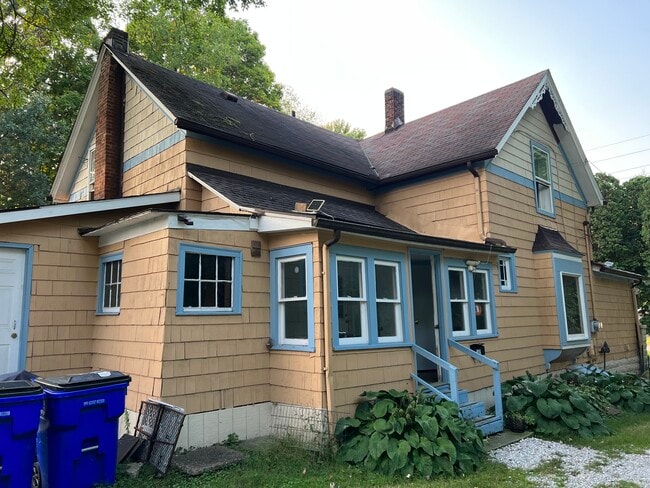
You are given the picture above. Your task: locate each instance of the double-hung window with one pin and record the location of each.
(542, 175)
(209, 280)
(367, 290)
(91, 168)
(292, 305)
(570, 297)
(471, 301)
(110, 284)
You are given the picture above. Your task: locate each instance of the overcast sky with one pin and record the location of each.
(340, 56)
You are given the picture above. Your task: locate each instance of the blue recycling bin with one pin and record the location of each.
(77, 440)
(20, 408)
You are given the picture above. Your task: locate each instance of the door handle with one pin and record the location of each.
(14, 335)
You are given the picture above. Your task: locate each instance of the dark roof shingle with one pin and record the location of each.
(456, 134)
(551, 240)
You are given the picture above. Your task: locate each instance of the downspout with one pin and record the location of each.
(327, 339)
(640, 340)
(478, 200)
(587, 228)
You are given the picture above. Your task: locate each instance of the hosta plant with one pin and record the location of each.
(557, 408)
(404, 433)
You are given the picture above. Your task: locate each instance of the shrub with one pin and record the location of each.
(626, 391)
(557, 408)
(400, 432)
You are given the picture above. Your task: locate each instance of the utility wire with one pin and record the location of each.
(619, 142)
(629, 169)
(621, 155)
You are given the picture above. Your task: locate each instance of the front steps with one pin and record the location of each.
(475, 411)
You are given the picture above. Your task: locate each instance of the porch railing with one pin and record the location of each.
(452, 374)
(496, 373)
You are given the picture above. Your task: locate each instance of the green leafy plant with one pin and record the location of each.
(519, 421)
(232, 440)
(405, 433)
(557, 408)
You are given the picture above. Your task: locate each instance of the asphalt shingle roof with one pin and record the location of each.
(456, 134)
(551, 240)
(468, 131)
(253, 193)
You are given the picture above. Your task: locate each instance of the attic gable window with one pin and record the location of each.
(209, 281)
(91, 168)
(543, 182)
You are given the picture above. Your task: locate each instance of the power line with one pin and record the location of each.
(621, 155)
(619, 142)
(629, 169)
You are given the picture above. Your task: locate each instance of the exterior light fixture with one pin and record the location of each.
(471, 265)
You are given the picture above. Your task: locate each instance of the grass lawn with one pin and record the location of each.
(281, 466)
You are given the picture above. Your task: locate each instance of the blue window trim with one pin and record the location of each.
(460, 264)
(547, 150)
(368, 256)
(513, 273)
(236, 279)
(27, 296)
(305, 250)
(108, 258)
(573, 266)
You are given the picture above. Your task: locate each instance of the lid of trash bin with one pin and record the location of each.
(18, 388)
(83, 381)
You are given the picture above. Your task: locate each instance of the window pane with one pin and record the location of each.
(115, 271)
(481, 310)
(349, 319)
(107, 296)
(208, 267)
(386, 282)
(225, 268)
(458, 316)
(480, 285)
(572, 304)
(191, 266)
(118, 293)
(504, 273)
(541, 164)
(456, 285)
(191, 294)
(387, 319)
(295, 319)
(544, 197)
(349, 278)
(208, 294)
(224, 294)
(294, 281)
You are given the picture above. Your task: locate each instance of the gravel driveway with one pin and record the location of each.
(577, 467)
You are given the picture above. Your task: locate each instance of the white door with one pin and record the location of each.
(12, 280)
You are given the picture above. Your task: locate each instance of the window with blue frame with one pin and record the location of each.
(471, 301)
(209, 280)
(570, 298)
(110, 284)
(541, 158)
(507, 274)
(292, 298)
(367, 288)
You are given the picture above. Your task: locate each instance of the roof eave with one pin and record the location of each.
(411, 237)
(201, 129)
(482, 156)
(620, 273)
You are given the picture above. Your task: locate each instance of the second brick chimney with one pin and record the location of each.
(110, 120)
(394, 104)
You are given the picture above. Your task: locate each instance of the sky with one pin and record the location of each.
(340, 56)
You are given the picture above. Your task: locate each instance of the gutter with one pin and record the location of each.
(409, 236)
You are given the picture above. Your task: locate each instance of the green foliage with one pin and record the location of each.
(398, 432)
(31, 142)
(204, 45)
(232, 440)
(342, 127)
(557, 408)
(626, 391)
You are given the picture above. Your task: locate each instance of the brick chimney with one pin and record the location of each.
(394, 104)
(110, 120)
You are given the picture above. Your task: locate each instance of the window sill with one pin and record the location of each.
(107, 313)
(508, 291)
(289, 347)
(382, 345)
(208, 312)
(545, 213)
(475, 337)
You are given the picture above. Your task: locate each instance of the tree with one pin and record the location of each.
(205, 45)
(30, 145)
(340, 126)
(292, 104)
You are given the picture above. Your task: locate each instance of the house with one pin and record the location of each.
(236, 261)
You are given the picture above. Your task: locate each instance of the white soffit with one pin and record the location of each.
(81, 208)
